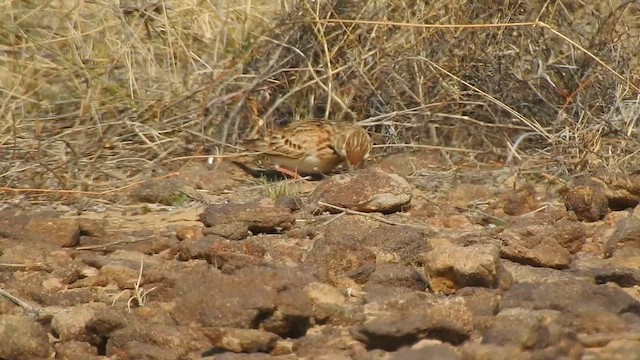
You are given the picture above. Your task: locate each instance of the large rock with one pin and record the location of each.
(452, 267)
(407, 320)
(238, 221)
(369, 190)
(22, 338)
(242, 340)
(47, 226)
(336, 257)
(253, 297)
(154, 341)
(389, 242)
(534, 245)
(569, 296)
(223, 253)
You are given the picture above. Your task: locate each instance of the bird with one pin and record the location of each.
(313, 147)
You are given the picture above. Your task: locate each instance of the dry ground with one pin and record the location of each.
(510, 126)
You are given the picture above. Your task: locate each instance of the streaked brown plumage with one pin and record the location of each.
(314, 147)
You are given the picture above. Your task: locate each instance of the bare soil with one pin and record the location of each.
(401, 260)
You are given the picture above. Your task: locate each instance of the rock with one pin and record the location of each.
(622, 349)
(627, 231)
(54, 297)
(540, 331)
(22, 338)
(292, 317)
(44, 226)
(437, 351)
(472, 351)
(402, 323)
(368, 190)
(607, 270)
(121, 273)
(321, 293)
(330, 343)
(188, 233)
(224, 254)
(87, 323)
(334, 256)
(236, 221)
(71, 324)
(374, 293)
(521, 201)
(330, 306)
(532, 274)
(569, 296)
(75, 350)
(533, 245)
(250, 298)
(105, 321)
(452, 267)
(238, 301)
(570, 235)
(480, 301)
(242, 340)
(398, 243)
(588, 201)
(154, 341)
(397, 275)
(464, 194)
(292, 203)
(525, 329)
(255, 356)
(161, 190)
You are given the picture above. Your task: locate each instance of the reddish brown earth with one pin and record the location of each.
(398, 261)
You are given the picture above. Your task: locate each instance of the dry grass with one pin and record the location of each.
(96, 95)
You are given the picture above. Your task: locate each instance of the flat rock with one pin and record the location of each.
(569, 296)
(401, 243)
(437, 351)
(335, 256)
(252, 297)
(71, 324)
(626, 231)
(44, 226)
(533, 274)
(22, 338)
(238, 221)
(473, 351)
(607, 270)
(622, 349)
(397, 275)
(404, 322)
(369, 190)
(330, 343)
(154, 341)
(534, 245)
(223, 253)
(242, 340)
(76, 350)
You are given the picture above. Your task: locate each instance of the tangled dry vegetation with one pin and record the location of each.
(98, 94)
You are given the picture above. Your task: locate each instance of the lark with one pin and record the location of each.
(314, 147)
